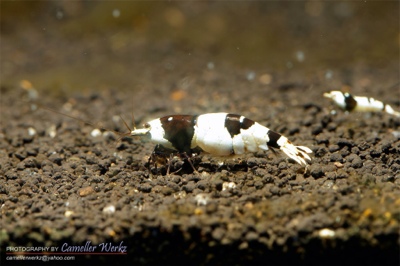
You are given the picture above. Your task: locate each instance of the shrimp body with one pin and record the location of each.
(349, 103)
(220, 134)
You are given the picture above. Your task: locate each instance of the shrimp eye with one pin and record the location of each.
(147, 125)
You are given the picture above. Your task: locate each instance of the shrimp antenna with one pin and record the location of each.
(133, 118)
(133, 122)
(122, 135)
(83, 121)
(126, 125)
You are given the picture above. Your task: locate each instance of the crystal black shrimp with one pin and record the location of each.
(350, 103)
(220, 134)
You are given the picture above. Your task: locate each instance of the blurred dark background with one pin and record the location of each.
(78, 45)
